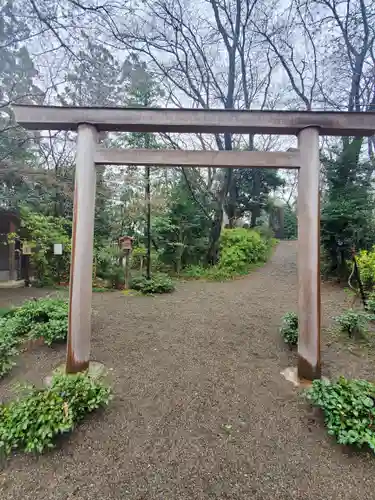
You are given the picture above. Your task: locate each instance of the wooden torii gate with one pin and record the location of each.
(89, 121)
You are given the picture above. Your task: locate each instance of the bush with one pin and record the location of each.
(47, 318)
(371, 303)
(108, 266)
(6, 312)
(289, 328)
(195, 271)
(32, 422)
(8, 348)
(348, 408)
(239, 248)
(353, 323)
(366, 265)
(213, 273)
(42, 232)
(159, 283)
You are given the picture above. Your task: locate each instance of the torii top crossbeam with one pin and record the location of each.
(195, 120)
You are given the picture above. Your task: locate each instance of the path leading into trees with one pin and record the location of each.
(200, 409)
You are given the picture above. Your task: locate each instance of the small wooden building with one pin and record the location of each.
(10, 255)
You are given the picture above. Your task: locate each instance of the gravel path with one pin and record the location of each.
(200, 409)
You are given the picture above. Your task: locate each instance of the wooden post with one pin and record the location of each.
(127, 273)
(12, 252)
(80, 289)
(309, 256)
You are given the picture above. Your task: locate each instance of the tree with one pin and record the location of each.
(253, 187)
(17, 74)
(204, 59)
(347, 215)
(96, 79)
(143, 92)
(181, 232)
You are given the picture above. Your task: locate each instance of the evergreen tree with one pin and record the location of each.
(347, 212)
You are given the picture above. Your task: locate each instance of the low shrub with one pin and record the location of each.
(239, 248)
(366, 265)
(108, 266)
(6, 312)
(353, 323)
(371, 303)
(289, 328)
(348, 408)
(195, 271)
(8, 348)
(32, 422)
(213, 273)
(47, 318)
(158, 283)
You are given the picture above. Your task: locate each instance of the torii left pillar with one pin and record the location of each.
(80, 290)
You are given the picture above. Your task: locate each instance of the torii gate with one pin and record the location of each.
(89, 121)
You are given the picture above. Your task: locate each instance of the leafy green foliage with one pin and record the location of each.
(181, 233)
(353, 323)
(6, 312)
(253, 185)
(47, 318)
(108, 266)
(347, 214)
(240, 247)
(42, 232)
(349, 409)
(158, 283)
(240, 250)
(211, 273)
(8, 348)
(32, 422)
(82, 393)
(17, 73)
(138, 255)
(290, 224)
(371, 303)
(289, 328)
(366, 266)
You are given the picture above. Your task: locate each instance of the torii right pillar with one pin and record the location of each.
(309, 256)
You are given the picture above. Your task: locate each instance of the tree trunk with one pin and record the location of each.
(213, 250)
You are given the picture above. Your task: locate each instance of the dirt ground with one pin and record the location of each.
(200, 409)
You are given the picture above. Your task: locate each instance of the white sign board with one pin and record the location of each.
(57, 249)
(26, 248)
